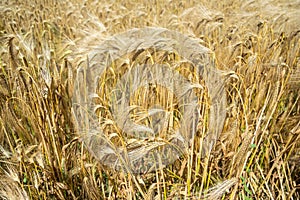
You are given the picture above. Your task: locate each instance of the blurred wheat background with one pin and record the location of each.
(257, 154)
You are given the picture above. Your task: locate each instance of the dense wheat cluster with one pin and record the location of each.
(256, 156)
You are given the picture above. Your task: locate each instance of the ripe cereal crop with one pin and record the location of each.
(149, 99)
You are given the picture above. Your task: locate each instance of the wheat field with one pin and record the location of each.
(256, 51)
